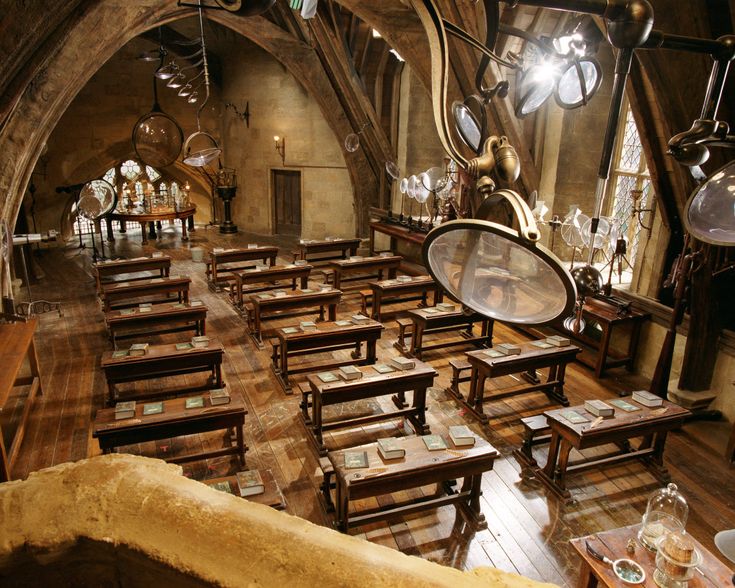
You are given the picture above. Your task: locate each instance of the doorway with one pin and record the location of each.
(287, 202)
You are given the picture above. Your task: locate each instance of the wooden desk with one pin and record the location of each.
(152, 217)
(365, 265)
(530, 359)
(272, 274)
(387, 291)
(272, 496)
(292, 301)
(338, 248)
(219, 268)
(16, 344)
(162, 361)
(613, 543)
(425, 321)
(396, 233)
(121, 294)
(105, 269)
(371, 385)
(646, 423)
(420, 467)
(328, 337)
(606, 315)
(173, 317)
(174, 421)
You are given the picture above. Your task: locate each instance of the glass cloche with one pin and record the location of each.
(667, 511)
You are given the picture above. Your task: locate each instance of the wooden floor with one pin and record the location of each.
(528, 529)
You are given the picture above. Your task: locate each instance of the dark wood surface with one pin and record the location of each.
(162, 318)
(425, 322)
(122, 294)
(365, 265)
(272, 274)
(105, 269)
(161, 361)
(152, 217)
(528, 528)
(612, 544)
(220, 265)
(387, 291)
(307, 249)
(396, 233)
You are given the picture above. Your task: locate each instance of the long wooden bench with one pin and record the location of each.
(536, 430)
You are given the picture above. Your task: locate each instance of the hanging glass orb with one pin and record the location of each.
(352, 142)
(157, 139)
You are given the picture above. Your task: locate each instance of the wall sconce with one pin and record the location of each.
(244, 115)
(281, 148)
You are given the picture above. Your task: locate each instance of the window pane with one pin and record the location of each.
(110, 176)
(153, 175)
(632, 151)
(130, 169)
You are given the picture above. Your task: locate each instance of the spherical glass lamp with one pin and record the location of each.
(157, 138)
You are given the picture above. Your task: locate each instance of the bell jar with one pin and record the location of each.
(667, 512)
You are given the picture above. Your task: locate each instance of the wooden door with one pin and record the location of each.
(287, 202)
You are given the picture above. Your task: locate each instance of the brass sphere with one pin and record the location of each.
(587, 279)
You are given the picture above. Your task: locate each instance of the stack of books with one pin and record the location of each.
(599, 408)
(359, 319)
(356, 459)
(219, 396)
(200, 341)
(647, 399)
(508, 349)
(327, 377)
(145, 306)
(252, 245)
(350, 372)
(389, 448)
(152, 408)
(125, 410)
(250, 483)
(434, 442)
(461, 436)
(402, 363)
(404, 278)
(138, 349)
(195, 402)
(308, 326)
(558, 341)
(446, 307)
(300, 262)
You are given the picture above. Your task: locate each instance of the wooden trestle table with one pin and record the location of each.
(371, 385)
(269, 275)
(328, 336)
(122, 294)
(174, 421)
(365, 265)
(530, 359)
(295, 300)
(307, 249)
(419, 467)
(160, 319)
(106, 269)
(159, 362)
(16, 345)
(387, 291)
(220, 264)
(652, 424)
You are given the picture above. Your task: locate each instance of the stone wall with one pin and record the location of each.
(166, 528)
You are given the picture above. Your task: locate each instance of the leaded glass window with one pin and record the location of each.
(110, 176)
(130, 169)
(153, 174)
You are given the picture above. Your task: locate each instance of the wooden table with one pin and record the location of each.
(16, 345)
(425, 321)
(272, 495)
(328, 337)
(121, 294)
(647, 423)
(365, 265)
(220, 268)
(612, 544)
(174, 421)
(388, 291)
(152, 217)
(272, 274)
(337, 248)
(162, 361)
(162, 318)
(607, 316)
(104, 269)
(419, 467)
(396, 233)
(531, 358)
(295, 300)
(371, 385)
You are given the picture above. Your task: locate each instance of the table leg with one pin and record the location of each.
(184, 234)
(473, 509)
(316, 419)
(110, 393)
(343, 502)
(417, 339)
(152, 230)
(559, 372)
(377, 301)
(190, 223)
(332, 312)
(587, 578)
(256, 322)
(218, 374)
(33, 361)
(565, 447)
(143, 229)
(392, 272)
(240, 444)
(186, 296)
(337, 278)
(419, 403)
(438, 295)
(284, 362)
(304, 282)
(633, 345)
(202, 327)
(110, 232)
(370, 352)
(123, 226)
(602, 352)
(550, 466)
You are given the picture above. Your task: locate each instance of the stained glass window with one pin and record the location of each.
(110, 175)
(153, 174)
(174, 189)
(130, 169)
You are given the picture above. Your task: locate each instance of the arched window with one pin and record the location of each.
(130, 169)
(110, 176)
(153, 174)
(174, 189)
(139, 189)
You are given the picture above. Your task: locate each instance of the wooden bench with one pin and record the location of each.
(536, 430)
(107, 269)
(220, 264)
(127, 294)
(333, 248)
(405, 289)
(162, 318)
(270, 275)
(458, 366)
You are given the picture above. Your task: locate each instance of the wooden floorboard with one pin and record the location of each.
(528, 530)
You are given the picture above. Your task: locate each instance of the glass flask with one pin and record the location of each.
(666, 512)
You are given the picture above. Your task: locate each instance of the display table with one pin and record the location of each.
(365, 265)
(371, 385)
(327, 337)
(652, 424)
(16, 344)
(396, 233)
(419, 467)
(151, 217)
(612, 544)
(162, 361)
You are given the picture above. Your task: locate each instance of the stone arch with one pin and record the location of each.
(71, 60)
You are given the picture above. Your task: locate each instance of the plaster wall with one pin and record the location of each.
(95, 132)
(279, 105)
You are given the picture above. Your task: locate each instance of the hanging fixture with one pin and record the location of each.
(205, 154)
(352, 141)
(281, 148)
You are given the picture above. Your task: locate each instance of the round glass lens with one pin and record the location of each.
(467, 126)
(422, 192)
(710, 214)
(157, 139)
(569, 91)
(352, 142)
(392, 169)
(536, 95)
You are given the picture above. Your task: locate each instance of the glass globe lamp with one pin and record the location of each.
(667, 512)
(157, 139)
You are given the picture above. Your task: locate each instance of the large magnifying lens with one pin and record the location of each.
(583, 74)
(467, 126)
(710, 211)
(498, 271)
